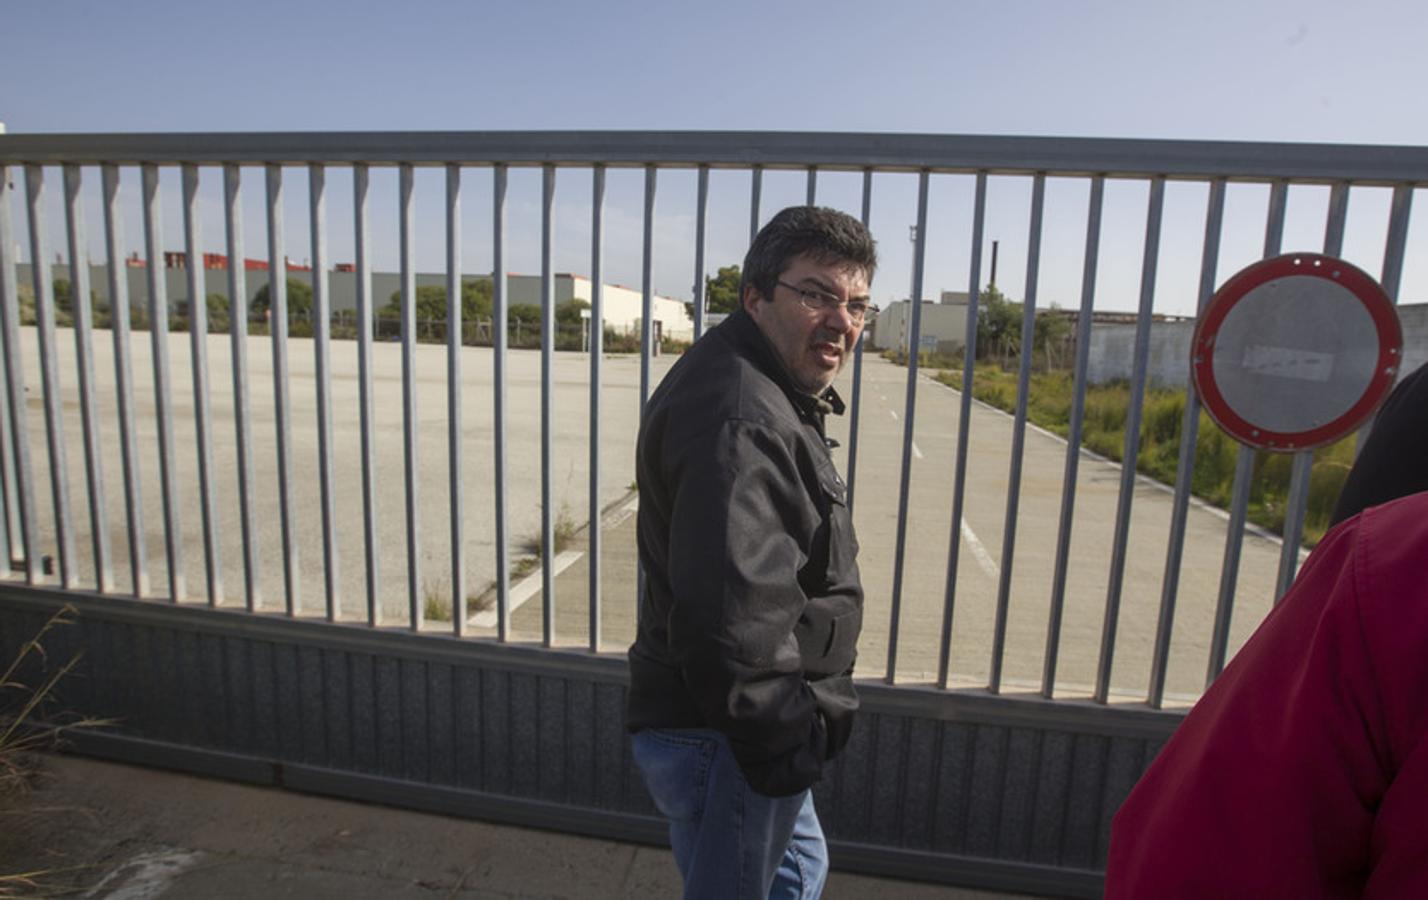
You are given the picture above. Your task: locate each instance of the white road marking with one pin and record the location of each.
(527, 588)
(893, 413)
(146, 876)
(619, 516)
(979, 552)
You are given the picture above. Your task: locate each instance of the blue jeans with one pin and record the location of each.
(729, 840)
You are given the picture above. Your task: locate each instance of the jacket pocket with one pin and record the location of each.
(842, 541)
(842, 649)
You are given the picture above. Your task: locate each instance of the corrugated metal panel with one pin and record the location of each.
(485, 733)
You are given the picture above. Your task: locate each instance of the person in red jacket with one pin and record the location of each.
(1303, 771)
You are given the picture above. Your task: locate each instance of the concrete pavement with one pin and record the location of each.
(983, 530)
(105, 830)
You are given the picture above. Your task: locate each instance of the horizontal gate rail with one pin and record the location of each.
(1320, 163)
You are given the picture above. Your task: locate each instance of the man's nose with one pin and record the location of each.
(838, 317)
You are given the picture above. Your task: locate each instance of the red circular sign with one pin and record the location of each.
(1295, 352)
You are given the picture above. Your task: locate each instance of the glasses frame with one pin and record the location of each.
(821, 301)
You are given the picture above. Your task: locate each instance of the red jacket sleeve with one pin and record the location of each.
(1300, 772)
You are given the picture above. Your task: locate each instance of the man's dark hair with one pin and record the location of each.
(827, 235)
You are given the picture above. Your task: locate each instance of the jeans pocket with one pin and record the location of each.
(675, 766)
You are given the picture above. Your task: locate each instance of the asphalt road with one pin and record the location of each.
(923, 591)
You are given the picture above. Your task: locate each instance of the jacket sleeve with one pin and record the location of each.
(740, 528)
(1269, 787)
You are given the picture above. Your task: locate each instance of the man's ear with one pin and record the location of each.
(751, 300)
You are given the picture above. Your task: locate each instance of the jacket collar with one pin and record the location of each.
(745, 333)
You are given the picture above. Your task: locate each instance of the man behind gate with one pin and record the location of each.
(741, 672)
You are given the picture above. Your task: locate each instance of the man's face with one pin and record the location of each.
(813, 344)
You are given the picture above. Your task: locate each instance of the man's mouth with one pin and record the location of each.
(828, 353)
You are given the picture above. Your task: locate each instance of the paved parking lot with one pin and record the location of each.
(881, 437)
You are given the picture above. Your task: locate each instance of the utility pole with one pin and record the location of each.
(912, 266)
(993, 281)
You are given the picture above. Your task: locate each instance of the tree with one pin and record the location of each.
(1051, 333)
(299, 299)
(721, 292)
(63, 293)
(476, 301)
(998, 324)
(217, 312)
(568, 313)
(525, 313)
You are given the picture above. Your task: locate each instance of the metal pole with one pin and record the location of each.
(360, 183)
(1023, 391)
(84, 358)
(1184, 472)
(964, 425)
(909, 416)
(198, 350)
(322, 350)
(159, 342)
(1121, 536)
(1073, 437)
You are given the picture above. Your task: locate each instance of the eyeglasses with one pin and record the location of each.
(821, 301)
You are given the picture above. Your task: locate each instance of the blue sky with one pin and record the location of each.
(1275, 71)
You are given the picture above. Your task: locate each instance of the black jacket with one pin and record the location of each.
(752, 605)
(1390, 463)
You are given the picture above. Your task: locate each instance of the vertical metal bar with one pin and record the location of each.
(49, 373)
(84, 359)
(15, 387)
(159, 341)
(278, 326)
(1302, 469)
(1185, 467)
(647, 280)
(361, 232)
(454, 343)
(409, 413)
(124, 380)
(10, 544)
(1274, 218)
(1392, 269)
(498, 413)
(322, 356)
(964, 425)
(1336, 218)
(1121, 536)
(238, 343)
(812, 185)
(1239, 502)
(547, 386)
(701, 223)
(1244, 471)
(858, 362)
(198, 349)
(1023, 390)
(597, 350)
(1397, 240)
(1073, 437)
(757, 188)
(909, 417)
(646, 323)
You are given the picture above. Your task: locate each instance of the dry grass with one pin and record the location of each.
(26, 687)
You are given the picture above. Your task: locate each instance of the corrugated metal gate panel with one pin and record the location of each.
(969, 792)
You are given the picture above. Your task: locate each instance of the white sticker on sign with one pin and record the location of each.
(1286, 362)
